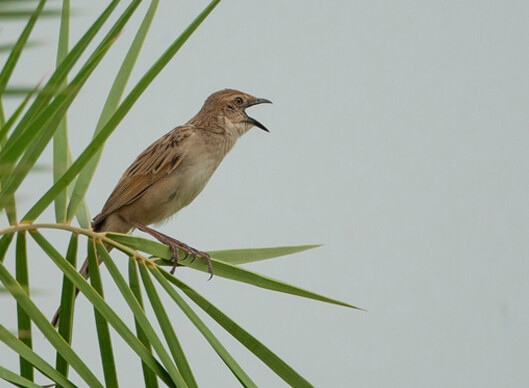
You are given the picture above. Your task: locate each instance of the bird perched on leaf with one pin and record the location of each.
(172, 171)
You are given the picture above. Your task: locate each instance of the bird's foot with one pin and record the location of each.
(175, 246)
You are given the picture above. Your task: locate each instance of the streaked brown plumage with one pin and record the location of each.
(172, 171)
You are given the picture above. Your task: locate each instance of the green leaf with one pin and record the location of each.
(60, 138)
(45, 327)
(281, 368)
(12, 149)
(4, 244)
(13, 378)
(208, 335)
(116, 118)
(4, 129)
(17, 91)
(12, 60)
(167, 329)
(22, 14)
(40, 131)
(5, 75)
(61, 72)
(105, 310)
(148, 375)
(10, 46)
(223, 269)
(103, 332)
(243, 256)
(24, 351)
(24, 323)
(111, 104)
(11, 209)
(140, 316)
(67, 304)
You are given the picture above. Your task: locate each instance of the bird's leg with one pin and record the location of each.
(174, 244)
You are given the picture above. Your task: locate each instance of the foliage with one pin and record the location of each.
(40, 119)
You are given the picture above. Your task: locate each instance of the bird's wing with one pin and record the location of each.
(156, 162)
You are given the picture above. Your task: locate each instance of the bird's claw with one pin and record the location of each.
(178, 246)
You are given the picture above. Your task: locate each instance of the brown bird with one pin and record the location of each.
(172, 171)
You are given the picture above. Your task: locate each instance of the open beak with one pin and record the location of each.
(254, 121)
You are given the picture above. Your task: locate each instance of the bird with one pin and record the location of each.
(170, 173)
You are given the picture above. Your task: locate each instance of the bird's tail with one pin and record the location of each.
(113, 223)
(84, 273)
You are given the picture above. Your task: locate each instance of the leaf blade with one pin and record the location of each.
(45, 327)
(28, 354)
(139, 314)
(103, 332)
(230, 362)
(14, 55)
(67, 306)
(51, 87)
(167, 329)
(60, 138)
(41, 129)
(24, 323)
(96, 300)
(13, 378)
(274, 362)
(116, 118)
(110, 106)
(148, 375)
(223, 269)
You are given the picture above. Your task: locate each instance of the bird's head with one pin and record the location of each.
(225, 110)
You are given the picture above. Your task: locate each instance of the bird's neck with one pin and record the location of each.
(235, 129)
(219, 124)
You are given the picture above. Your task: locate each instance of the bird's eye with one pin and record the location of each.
(238, 101)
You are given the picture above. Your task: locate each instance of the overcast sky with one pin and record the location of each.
(399, 139)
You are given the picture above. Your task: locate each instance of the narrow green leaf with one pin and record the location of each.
(56, 79)
(40, 115)
(21, 14)
(24, 323)
(250, 255)
(103, 333)
(230, 256)
(281, 368)
(45, 327)
(16, 91)
(83, 215)
(12, 60)
(11, 209)
(95, 299)
(28, 354)
(39, 134)
(116, 118)
(10, 46)
(4, 244)
(40, 131)
(223, 269)
(67, 305)
(60, 138)
(4, 129)
(111, 104)
(208, 335)
(13, 378)
(148, 375)
(140, 316)
(167, 329)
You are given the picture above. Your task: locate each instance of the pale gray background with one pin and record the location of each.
(399, 138)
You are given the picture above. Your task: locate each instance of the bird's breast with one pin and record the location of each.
(190, 178)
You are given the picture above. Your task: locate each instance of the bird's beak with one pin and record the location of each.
(258, 101)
